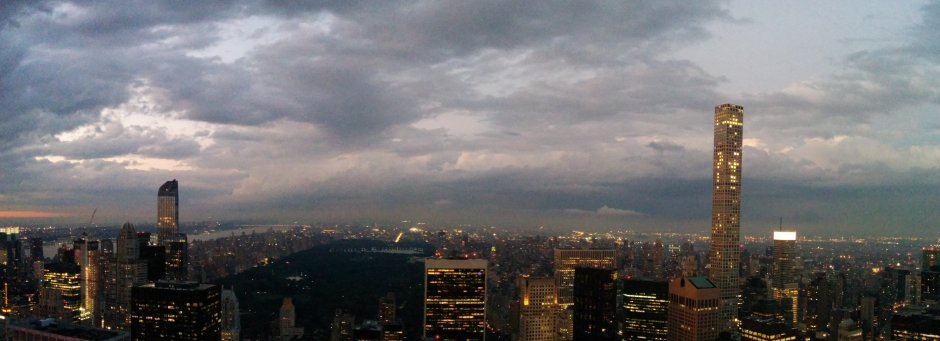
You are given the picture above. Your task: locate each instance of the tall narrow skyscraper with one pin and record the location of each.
(785, 282)
(726, 209)
(168, 215)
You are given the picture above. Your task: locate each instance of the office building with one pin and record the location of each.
(177, 257)
(455, 299)
(785, 280)
(387, 309)
(754, 329)
(61, 295)
(35, 249)
(153, 255)
(645, 307)
(538, 309)
(595, 304)
(287, 321)
(849, 331)
(168, 215)
(693, 309)
(125, 270)
(929, 257)
(231, 316)
(343, 326)
(914, 323)
(818, 305)
(87, 257)
(566, 261)
(165, 311)
(725, 253)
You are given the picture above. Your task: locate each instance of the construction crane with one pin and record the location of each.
(92, 216)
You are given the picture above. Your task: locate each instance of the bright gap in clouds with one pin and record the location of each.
(141, 113)
(776, 44)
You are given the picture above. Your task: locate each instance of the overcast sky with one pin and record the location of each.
(568, 115)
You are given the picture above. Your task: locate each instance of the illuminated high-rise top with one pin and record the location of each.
(168, 215)
(726, 209)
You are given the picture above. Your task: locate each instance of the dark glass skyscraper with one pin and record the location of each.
(645, 310)
(726, 209)
(595, 304)
(168, 214)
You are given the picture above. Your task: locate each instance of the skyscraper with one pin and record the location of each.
(87, 258)
(387, 309)
(645, 310)
(168, 311)
(538, 309)
(168, 215)
(60, 296)
(693, 309)
(785, 281)
(567, 260)
(286, 323)
(726, 208)
(595, 304)
(455, 299)
(177, 257)
(126, 271)
(231, 317)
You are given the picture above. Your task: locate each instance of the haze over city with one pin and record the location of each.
(520, 114)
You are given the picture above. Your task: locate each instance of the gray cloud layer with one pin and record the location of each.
(515, 113)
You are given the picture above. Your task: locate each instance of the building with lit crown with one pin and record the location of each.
(538, 309)
(455, 299)
(168, 215)
(725, 253)
(785, 281)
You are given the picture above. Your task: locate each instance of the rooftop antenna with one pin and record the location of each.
(781, 223)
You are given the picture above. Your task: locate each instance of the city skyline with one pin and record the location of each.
(591, 116)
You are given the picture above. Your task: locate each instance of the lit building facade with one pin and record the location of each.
(538, 309)
(567, 260)
(725, 253)
(785, 279)
(168, 215)
(753, 329)
(61, 293)
(645, 307)
(693, 309)
(87, 256)
(455, 299)
(165, 311)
